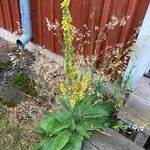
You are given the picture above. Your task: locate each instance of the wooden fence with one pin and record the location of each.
(89, 12)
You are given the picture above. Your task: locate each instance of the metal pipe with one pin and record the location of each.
(26, 24)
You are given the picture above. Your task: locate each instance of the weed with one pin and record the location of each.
(5, 65)
(23, 82)
(15, 132)
(47, 75)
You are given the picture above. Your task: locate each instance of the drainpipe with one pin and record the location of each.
(26, 24)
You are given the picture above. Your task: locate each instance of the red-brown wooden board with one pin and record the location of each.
(15, 15)
(2, 23)
(58, 38)
(36, 17)
(7, 15)
(90, 12)
(48, 12)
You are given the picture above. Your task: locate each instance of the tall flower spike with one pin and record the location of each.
(75, 87)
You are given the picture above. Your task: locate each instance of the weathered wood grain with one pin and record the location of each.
(136, 110)
(109, 141)
(88, 146)
(141, 138)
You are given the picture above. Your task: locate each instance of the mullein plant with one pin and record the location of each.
(82, 112)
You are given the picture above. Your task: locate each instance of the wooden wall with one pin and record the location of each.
(90, 12)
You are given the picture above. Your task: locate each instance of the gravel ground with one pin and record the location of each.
(17, 61)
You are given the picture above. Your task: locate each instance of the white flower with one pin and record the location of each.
(96, 28)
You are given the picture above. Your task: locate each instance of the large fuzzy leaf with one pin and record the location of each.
(63, 116)
(39, 130)
(60, 140)
(44, 145)
(85, 102)
(100, 110)
(82, 131)
(75, 142)
(82, 106)
(91, 111)
(51, 126)
(107, 106)
(64, 103)
(93, 123)
(47, 124)
(94, 112)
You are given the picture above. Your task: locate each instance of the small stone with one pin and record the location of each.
(12, 58)
(11, 94)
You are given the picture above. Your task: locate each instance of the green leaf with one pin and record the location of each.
(44, 145)
(73, 124)
(83, 106)
(51, 126)
(63, 116)
(94, 112)
(100, 110)
(60, 128)
(85, 102)
(86, 109)
(82, 131)
(107, 106)
(47, 124)
(39, 130)
(64, 103)
(93, 123)
(75, 142)
(60, 140)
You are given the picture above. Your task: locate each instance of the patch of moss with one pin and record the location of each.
(24, 83)
(8, 103)
(5, 65)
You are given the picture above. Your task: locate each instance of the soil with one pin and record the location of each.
(19, 112)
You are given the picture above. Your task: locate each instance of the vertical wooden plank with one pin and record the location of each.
(58, 37)
(113, 12)
(48, 12)
(15, 13)
(118, 10)
(104, 19)
(2, 23)
(84, 20)
(105, 13)
(94, 17)
(76, 13)
(7, 15)
(36, 17)
(138, 17)
(131, 12)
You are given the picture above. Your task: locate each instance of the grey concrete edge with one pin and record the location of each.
(12, 37)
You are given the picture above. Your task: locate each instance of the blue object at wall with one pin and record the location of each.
(26, 24)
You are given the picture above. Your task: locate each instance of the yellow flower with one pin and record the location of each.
(75, 88)
(62, 89)
(84, 86)
(66, 26)
(72, 102)
(65, 3)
